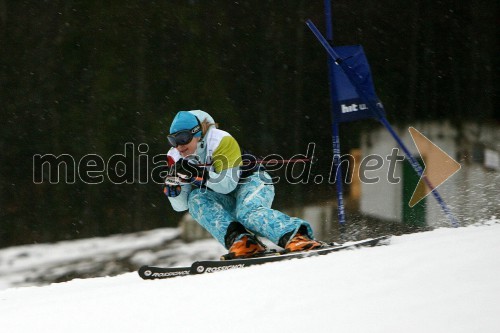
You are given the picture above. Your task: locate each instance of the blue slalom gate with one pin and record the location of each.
(353, 98)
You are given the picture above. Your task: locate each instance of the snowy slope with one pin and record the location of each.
(39, 264)
(447, 280)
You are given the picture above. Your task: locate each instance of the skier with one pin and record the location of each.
(230, 199)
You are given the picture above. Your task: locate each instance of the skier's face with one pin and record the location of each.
(189, 148)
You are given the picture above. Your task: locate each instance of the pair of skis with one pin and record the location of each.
(211, 266)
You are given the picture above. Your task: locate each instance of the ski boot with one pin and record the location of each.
(300, 242)
(245, 246)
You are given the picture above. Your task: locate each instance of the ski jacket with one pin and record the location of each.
(221, 152)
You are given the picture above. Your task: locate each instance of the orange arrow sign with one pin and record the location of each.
(439, 166)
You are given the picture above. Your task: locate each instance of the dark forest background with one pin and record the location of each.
(87, 77)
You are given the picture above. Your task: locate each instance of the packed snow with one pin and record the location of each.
(446, 280)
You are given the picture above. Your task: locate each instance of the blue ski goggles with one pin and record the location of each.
(183, 137)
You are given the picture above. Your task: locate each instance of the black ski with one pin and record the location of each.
(152, 273)
(211, 266)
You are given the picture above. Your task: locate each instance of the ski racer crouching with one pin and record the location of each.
(230, 199)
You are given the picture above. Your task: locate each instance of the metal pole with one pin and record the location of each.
(335, 123)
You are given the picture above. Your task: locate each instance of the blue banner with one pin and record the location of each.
(348, 105)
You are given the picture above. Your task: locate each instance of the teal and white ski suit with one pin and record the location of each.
(228, 199)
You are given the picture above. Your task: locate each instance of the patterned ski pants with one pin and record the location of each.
(249, 204)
